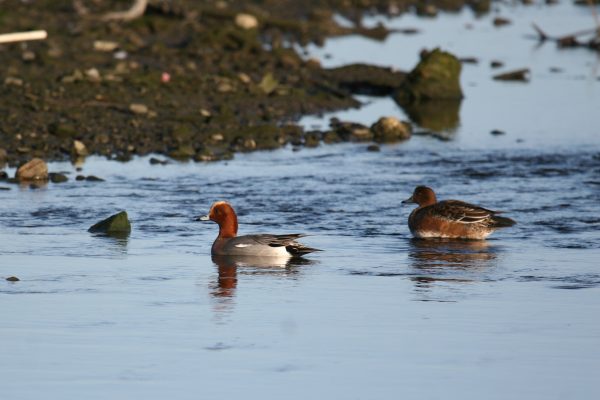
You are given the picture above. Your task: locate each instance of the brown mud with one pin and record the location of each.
(184, 80)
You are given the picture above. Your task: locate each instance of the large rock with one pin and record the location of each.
(390, 129)
(34, 170)
(436, 77)
(118, 223)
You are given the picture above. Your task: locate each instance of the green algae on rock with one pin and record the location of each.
(115, 224)
(436, 77)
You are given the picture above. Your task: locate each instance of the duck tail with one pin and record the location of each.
(298, 249)
(502, 222)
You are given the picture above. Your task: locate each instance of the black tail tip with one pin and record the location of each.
(503, 222)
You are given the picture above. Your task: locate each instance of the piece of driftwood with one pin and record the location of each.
(22, 36)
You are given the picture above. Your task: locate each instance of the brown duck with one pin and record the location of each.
(452, 219)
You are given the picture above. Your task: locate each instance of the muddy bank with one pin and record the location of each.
(187, 79)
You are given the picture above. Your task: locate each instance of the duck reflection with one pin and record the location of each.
(228, 267)
(458, 254)
(449, 261)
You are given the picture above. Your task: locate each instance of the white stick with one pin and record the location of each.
(22, 36)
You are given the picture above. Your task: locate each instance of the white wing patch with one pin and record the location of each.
(472, 220)
(243, 245)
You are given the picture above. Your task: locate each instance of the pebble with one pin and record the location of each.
(499, 21)
(244, 78)
(217, 137)
(105, 45)
(246, 21)
(120, 55)
(496, 64)
(36, 169)
(497, 132)
(13, 279)
(469, 60)
(28, 55)
(138, 108)
(93, 75)
(373, 147)
(11, 80)
(156, 161)
(249, 144)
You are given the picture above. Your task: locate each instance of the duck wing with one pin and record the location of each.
(459, 211)
(261, 243)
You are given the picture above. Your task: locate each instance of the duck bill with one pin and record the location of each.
(202, 218)
(408, 201)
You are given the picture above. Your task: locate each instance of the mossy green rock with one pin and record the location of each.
(436, 77)
(118, 223)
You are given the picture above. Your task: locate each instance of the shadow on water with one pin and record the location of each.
(223, 289)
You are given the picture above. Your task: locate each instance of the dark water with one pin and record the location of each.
(376, 315)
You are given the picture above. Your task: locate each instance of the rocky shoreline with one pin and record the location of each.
(188, 79)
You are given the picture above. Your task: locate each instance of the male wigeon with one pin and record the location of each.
(264, 245)
(451, 218)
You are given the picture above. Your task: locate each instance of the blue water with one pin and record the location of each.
(376, 315)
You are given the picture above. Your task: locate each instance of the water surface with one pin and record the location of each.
(376, 315)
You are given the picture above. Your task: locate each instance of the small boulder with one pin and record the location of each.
(56, 177)
(156, 161)
(351, 131)
(13, 279)
(390, 129)
(93, 178)
(34, 170)
(118, 223)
